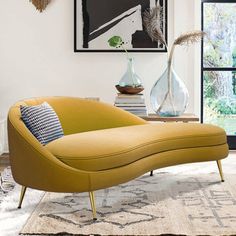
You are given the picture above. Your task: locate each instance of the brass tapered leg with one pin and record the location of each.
(22, 194)
(93, 206)
(220, 170)
(151, 173)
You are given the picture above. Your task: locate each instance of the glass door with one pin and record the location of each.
(219, 66)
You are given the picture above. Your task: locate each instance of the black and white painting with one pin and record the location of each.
(96, 21)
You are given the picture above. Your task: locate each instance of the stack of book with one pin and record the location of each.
(134, 104)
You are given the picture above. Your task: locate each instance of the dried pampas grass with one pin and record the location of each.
(189, 38)
(152, 21)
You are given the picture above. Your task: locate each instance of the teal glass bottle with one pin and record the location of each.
(169, 97)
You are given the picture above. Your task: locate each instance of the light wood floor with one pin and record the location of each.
(4, 161)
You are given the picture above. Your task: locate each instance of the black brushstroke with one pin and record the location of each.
(105, 29)
(140, 39)
(86, 26)
(102, 11)
(98, 13)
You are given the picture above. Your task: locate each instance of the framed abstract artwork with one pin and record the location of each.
(96, 21)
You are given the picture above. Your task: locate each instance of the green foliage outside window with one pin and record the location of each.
(234, 73)
(220, 87)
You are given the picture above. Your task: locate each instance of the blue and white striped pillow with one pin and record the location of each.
(42, 121)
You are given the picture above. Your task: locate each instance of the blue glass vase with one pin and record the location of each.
(169, 95)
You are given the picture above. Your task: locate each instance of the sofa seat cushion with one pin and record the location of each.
(111, 148)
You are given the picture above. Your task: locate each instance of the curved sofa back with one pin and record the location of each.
(34, 166)
(81, 115)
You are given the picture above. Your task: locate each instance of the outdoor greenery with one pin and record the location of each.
(220, 51)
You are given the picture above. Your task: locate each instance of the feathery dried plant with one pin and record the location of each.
(152, 21)
(186, 39)
(190, 38)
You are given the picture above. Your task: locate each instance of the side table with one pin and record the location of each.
(187, 117)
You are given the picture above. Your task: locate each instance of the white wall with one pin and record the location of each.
(37, 58)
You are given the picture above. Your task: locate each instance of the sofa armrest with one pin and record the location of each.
(35, 167)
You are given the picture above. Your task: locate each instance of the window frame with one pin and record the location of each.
(231, 138)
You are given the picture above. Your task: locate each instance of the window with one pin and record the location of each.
(219, 66)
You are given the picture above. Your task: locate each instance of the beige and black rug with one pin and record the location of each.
(162, 204)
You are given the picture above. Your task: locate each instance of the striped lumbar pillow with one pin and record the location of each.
(42, 121)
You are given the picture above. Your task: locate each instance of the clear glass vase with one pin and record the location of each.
(130, 78)
(130, 82)
(169, 97)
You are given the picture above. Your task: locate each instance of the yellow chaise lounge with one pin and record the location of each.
(103, 146)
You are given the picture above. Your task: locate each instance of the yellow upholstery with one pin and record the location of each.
(104, 146)
(111, 148)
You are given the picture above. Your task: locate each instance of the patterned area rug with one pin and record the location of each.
(160, 205)
(11, 218)
(6, 183)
